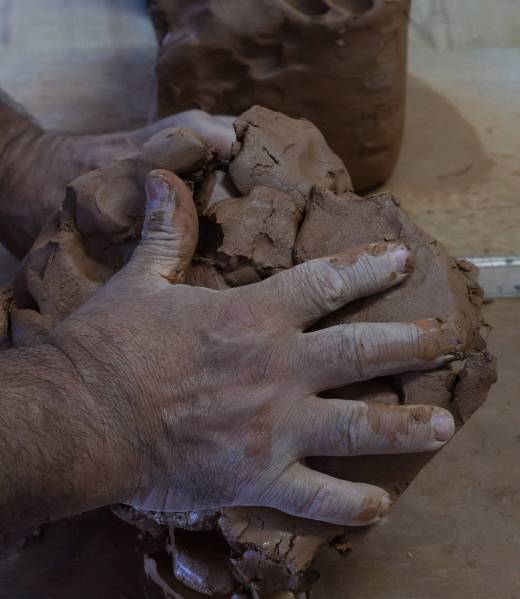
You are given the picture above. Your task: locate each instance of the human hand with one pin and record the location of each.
(37, 166)
(209, 398)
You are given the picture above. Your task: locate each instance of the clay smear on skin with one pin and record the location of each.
(438, 338)
(259, 447)
(382, 420)
(373, 510)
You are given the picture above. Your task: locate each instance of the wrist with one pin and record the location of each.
(106, 423)
(118, 443)
(57, 443)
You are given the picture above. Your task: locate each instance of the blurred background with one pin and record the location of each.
(87, 66)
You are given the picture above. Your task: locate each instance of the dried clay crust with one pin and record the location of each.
(284, 197)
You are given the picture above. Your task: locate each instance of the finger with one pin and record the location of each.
(309, 291)
(216, 130)
(178, 150)
(336, 427)
(170, 229)
(346, 354)
(307, 493)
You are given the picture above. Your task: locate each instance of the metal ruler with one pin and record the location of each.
(499, 275)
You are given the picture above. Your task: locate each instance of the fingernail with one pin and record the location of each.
(402, 257)
(443, 425)
(158, 193)
(447, 359)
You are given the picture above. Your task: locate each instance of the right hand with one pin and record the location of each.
(209, 398)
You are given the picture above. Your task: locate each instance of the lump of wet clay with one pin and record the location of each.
(282, 198)
(339, 63)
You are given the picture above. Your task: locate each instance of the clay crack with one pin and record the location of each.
(271, 156)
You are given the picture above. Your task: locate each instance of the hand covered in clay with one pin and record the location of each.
(36, 166)
(210, 398)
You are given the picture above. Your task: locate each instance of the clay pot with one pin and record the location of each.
(339, 63)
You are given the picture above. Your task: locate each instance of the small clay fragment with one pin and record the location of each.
(201, 562)
(289, 155)
(284, 197)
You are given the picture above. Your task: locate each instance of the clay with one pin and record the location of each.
(200, 560)
(6, 298)
(339, 63)
(282, 198)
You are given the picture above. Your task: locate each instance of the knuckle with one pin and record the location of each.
(356, 348)
(260, 372)
(351, 426)
(364, 274)
(370, 347)
(345, 346)
(323, 283)
(315, 501)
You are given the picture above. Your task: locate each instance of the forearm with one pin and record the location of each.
(54, 441)
(15, 124)
(18, 132)
(24, 149)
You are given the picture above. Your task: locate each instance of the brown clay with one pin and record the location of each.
(339, 63)
(283, 198)
(6, 298)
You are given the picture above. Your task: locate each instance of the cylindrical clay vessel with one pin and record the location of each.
(339, 63)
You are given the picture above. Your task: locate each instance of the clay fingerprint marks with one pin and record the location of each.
(290, 155)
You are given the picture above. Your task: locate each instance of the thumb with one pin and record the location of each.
(170, 229)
